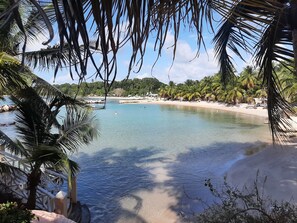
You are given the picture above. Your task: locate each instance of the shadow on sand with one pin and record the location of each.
(190, 170)
(109, 176)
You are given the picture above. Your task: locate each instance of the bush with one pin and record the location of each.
(246, 206)
(10, 212)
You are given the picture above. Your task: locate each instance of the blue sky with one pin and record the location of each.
(185, 66)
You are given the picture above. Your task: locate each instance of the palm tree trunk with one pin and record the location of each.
(33, 181)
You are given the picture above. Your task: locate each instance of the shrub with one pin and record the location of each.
(249, 205)
(10, 212)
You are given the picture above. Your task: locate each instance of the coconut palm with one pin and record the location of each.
(268, 30)
(43, 141)
(288, 83)
(247, 78)
(234, 96)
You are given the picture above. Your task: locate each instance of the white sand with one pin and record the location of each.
(241, 108)
(278, 164)
(151, 206)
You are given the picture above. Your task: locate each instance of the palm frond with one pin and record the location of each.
(273, 47)
(53, 157)
(12, 146)
(78, 129)
(52, 95)
(31, 122)
(10, 78)
(49, 58)
(9, 169)
(238, 32)
(114, 24)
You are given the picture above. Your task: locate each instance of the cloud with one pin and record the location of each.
(62, 79)
(143, 75)
(185, 66)
(37, 44)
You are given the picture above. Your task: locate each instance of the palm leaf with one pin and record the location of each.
(49, 58)
(269, 50)
(12, 146)
(10, 69)
(78, 129)
(237, 33)
(7, 168)
(31, 122)
(52, 95)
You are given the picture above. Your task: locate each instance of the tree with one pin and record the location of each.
(40, 145)
(267, 30)
(247, 78)
(234, 96)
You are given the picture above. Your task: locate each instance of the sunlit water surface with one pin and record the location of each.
(191, 144)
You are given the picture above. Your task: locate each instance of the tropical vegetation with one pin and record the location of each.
(140, 87)
(242, 89)
(267, 29)
(15, 213)
(43, 138)
(247, 205)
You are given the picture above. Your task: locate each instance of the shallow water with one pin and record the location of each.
(174, 149)
(151, 158)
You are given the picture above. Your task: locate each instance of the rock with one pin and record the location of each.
(5, 108)
(47, 217)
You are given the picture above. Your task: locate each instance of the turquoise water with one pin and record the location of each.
(172, 129)
(191, 144)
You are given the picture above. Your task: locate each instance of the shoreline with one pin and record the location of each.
(275, 169)
(241, 108)
(275, 162)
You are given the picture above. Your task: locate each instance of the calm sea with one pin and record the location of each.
(191, 144)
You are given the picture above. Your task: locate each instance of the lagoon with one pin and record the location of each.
(151, 161)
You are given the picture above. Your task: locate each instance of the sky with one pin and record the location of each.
(185, 66)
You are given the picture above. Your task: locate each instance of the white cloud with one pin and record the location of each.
(37, 45)
(196, 69)
(62, 79)
(186, 65)
(143, 75)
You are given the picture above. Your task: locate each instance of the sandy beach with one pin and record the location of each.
(241, 108)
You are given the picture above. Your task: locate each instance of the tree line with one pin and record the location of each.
(123, 88)
(241, 89)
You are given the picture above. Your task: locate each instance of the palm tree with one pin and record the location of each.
(268, 30)
(234, 96)
(43, 141)
(247, 78)
(288, 83)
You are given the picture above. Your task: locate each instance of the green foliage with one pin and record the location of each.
(246, 206)
(10, 212)
(243, 89)
(128, 87)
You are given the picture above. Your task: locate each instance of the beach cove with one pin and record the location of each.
(152, 159)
